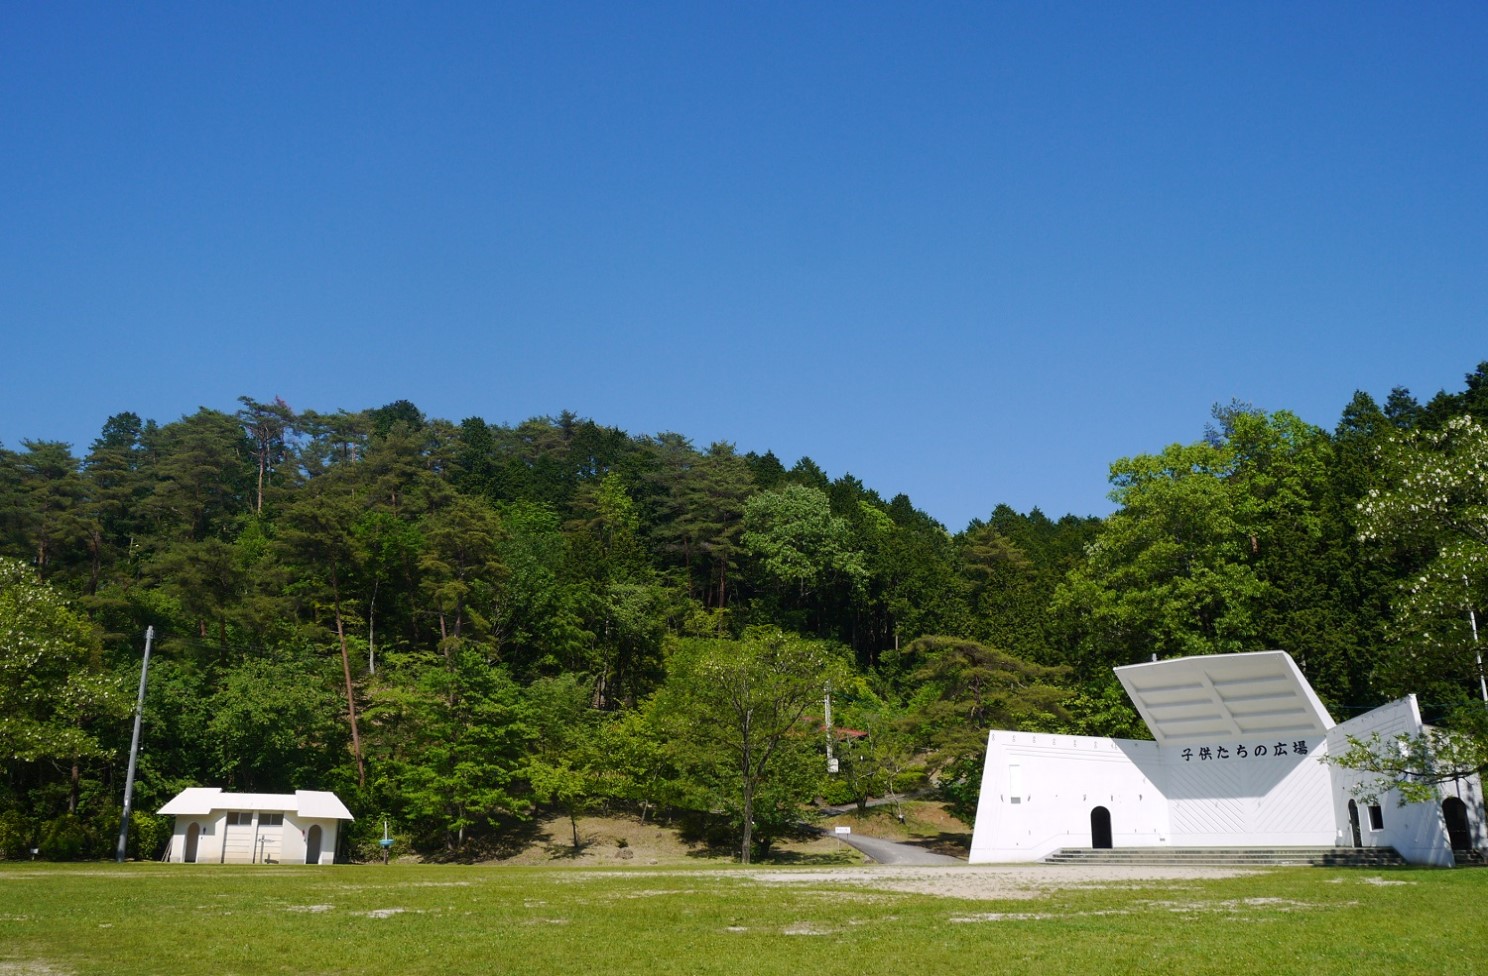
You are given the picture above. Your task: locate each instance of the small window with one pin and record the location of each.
(239, 818)
(271, 819)
(1376, 817)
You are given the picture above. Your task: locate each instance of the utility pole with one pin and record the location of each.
(1473, 619)
(827, 703)
(139, 708)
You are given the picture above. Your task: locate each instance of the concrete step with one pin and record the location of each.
(1231, 856)
(1470, 859)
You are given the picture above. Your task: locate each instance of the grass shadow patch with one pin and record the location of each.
(512, 837)
(952, 843)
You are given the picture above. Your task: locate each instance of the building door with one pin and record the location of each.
(1354, 824)
(1454, 812)
(312, 845)
(1100, 828)
(193, 838)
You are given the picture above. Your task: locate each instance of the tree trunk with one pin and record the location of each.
(356, 737)
(371, 642)
(748, 821)
(263, 462)
(95, 560)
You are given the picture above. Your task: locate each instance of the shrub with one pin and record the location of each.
(66, 838)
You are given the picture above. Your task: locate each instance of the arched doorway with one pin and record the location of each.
(312, 845)
(1100, 828)
(1354, 824)
(193, 840)
(1459, 832)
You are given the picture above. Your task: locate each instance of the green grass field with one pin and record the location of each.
(215, 920)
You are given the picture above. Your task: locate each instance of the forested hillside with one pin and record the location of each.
(454, 624)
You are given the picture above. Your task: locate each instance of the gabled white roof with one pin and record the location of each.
(201, 800)
(1224, 696)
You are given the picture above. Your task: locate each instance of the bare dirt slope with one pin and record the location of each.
(627, 841)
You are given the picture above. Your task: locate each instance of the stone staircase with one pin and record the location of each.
(1231, 857)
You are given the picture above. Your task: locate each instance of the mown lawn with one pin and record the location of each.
(219, 920)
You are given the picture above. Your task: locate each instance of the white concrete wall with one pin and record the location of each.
(284, 843)
(1249, 793)
(209, 844)
(296, 838)
(1417, 830)
(1038, 792)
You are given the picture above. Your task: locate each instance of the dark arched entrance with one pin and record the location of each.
(1100, 828)
(312, 845)
(193, 840)
(1454, 812)
(1354, 824)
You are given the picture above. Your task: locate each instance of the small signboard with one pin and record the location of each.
(844, 830)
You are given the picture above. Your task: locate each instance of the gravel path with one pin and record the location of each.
(892, 852)
(991, 881)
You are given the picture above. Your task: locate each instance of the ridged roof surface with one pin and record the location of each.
(1225, 696)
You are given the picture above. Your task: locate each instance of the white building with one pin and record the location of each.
(1237, 760)
(254, 828)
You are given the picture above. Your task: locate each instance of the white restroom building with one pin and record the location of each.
(1237, 759)
(214, 827)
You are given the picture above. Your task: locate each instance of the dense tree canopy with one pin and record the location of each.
(454, 624)
(1432, 504)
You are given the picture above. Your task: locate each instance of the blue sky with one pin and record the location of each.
(969, 252)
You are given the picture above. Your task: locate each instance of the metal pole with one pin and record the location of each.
(1473, 618)
(827, 708)
(139, 708)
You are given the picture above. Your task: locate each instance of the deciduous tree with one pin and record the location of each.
(742, 704)
(1432, 500)
(1415, 767)
(52, 686)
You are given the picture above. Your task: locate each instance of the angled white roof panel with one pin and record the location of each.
(193, 802)
(322, 805)
(1224, 696)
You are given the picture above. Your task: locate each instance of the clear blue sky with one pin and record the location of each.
(971, 252)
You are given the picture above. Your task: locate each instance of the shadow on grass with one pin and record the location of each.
(954, 843)
(719, 842)
(568, 852)
(712, 851)
(777, 858)
(846, 856)
(512, 838)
